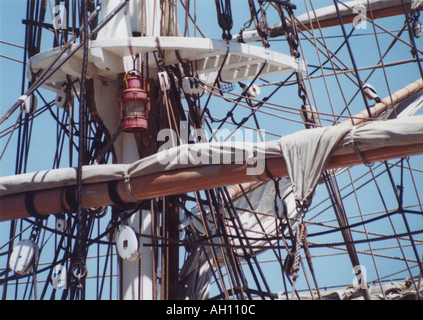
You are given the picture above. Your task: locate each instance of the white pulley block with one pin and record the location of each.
(164, 81)
(307, 115)
(30, 104)
(190, 86)
(370, 92)
(417, 29)
(253, 91)
(63, 99)
(61, 224)
(128, 243)
(23, 257)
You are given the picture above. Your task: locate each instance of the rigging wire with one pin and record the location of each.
(231, 290)
(79, 267)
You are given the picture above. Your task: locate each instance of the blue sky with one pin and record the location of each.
(12, 12)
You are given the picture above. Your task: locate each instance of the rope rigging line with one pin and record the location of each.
(79, 267)
(272, 237)
(230, 243)
(378, 26)
(399, 193)
(400, 246)
(396, 38)
(329, 59)
(230, 113)
(11, 134)
(213, 89)
(24, 142)
(389, 64)
(203, 242)
(251, 255)
(193, 19)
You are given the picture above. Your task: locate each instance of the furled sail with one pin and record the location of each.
(328, 16)
(196, 273)
(141, 178)
(416, 4)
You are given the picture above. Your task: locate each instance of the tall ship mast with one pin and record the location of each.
(223, 150)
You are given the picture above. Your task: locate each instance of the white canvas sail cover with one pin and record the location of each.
(351, 8)
(378, 134)
(306, 153)
(306, 156)
(415, 4)
(182, 157)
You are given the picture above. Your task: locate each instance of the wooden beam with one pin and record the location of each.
(176, 182)
(377, 14)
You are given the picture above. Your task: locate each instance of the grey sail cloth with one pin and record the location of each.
(308, 152)
(195, 274)
(306, 155)
(416, 3)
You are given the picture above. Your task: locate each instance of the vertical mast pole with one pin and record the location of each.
(137, 277)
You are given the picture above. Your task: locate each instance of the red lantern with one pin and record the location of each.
(133, 106)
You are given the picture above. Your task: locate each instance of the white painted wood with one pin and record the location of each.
(107, 58)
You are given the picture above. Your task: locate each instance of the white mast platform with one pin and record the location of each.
(108, 58)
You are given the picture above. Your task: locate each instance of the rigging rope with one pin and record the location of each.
(79, 268)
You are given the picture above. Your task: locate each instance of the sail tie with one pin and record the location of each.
(353, 144)
(250, 161)
(127, 180)
(253, 163)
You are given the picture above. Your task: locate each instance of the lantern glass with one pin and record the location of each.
(134, 108)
